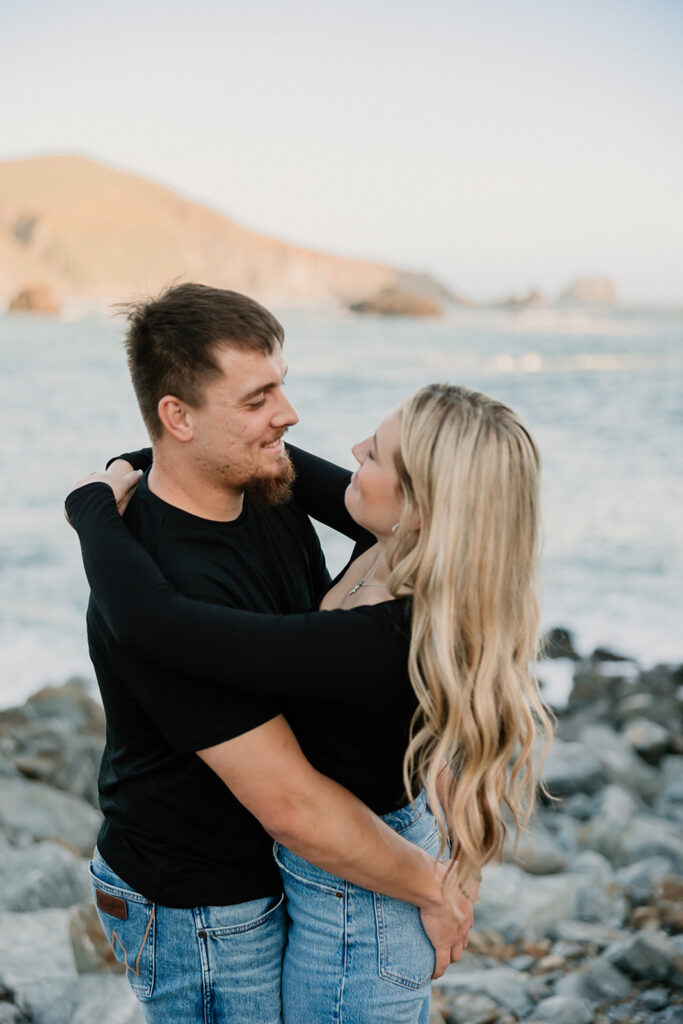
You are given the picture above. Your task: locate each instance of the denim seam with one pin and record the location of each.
(345, 955)
(207, 1010)
(383, 970)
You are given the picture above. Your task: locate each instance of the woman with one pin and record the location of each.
(448, 489)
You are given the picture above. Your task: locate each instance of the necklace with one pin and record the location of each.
(362, 582)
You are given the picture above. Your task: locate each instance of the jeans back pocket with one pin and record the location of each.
(129, 922)
(406, 956)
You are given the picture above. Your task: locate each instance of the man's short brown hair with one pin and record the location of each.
(172, 341)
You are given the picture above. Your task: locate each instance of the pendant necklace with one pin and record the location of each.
(362, 582)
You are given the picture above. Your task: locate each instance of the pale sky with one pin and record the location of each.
(497, 145)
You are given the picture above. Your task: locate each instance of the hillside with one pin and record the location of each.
(93, 233)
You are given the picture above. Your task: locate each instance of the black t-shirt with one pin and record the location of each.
(172, 829)
(339, 676)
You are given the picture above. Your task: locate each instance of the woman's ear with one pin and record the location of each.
(176, 418)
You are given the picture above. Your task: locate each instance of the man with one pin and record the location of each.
(183, 876)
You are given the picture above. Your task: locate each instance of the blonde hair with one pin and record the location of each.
(471, 472)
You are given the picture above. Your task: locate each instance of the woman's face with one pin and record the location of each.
(373, 498)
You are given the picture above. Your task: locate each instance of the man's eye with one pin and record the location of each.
(258, 404)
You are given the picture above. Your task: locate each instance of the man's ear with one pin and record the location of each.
(176, 417)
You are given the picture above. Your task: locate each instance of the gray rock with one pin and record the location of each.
(104, 999)
(579, 806)
(564, 1010)
(537, 852)
(655, 998)
(649, 956)
(468, 1008)
(587, 932)
(11, 1014)
(47, 813)
(70, 704)
(572, 768)
(35, 951)
(649, 739)
(525, 906)
(648, 836)
(503, 985)
(614, 808)
(640, 878)
(619, 762)
(566, 830)
(595, 981)
(41, 876)
(670, 797)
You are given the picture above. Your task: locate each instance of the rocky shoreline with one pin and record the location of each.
(581, 925)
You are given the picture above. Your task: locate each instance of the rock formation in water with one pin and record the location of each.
(37, 298)
(590, 291)
(96, 234)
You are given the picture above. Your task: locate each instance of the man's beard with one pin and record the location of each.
(272, 490)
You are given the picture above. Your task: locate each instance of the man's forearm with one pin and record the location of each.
(333, 829)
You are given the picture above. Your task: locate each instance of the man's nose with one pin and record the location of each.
(285, 415)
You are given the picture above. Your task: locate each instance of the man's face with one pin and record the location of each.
(237, 432)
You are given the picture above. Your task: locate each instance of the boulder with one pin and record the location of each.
(558, 642)
(35, 298)
(399, 302)
(519, 905)
(648, 956)
(619, 762)
(537, 851)
(572, 768)
(42, 812)
(649, 739)
(590, 291)
(502, 985)
(42, 875)
(564, 1010)
(70, 703)
(595, 982)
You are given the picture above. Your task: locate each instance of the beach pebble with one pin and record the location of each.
(468, 1008)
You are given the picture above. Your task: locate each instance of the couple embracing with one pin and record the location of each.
(367, 724)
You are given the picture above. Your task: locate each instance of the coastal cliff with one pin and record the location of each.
(91, 233)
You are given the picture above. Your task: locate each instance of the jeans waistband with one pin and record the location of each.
(405, 816)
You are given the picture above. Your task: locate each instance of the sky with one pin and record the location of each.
(497, 145)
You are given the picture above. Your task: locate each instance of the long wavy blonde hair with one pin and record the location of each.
(471, 471)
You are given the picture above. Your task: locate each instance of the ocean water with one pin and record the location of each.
(602, 393)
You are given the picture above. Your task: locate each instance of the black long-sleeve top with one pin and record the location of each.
(340, 677)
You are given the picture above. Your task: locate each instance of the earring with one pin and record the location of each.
(395, 527)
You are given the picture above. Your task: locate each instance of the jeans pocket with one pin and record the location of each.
(237, 918)
(128, 920)
(405, 954)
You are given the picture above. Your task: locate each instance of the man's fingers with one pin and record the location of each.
(442, 958)
(456, 952)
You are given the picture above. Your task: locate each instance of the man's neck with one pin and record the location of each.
(180, 485)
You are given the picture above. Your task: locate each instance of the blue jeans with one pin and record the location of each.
(206, 965)
(354, 956)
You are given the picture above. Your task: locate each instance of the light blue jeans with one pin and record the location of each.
(206, 965)
(354, 956)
